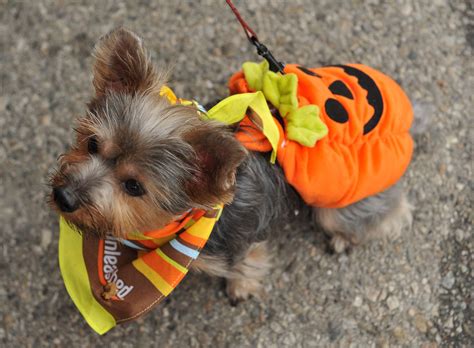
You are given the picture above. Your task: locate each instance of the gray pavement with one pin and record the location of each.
(412, 291)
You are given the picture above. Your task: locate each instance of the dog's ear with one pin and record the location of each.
(219, 155)
(122, 64)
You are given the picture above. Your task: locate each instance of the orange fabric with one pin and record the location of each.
(149, 244)
(237, 83)
(166, 270)
(251, 137)
(176, 225)
(193, 240)
(347, 165)
(163, 235)
(100, 262)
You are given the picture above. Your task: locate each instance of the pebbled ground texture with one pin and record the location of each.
(411, 291)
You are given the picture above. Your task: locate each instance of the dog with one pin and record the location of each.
(139, 162)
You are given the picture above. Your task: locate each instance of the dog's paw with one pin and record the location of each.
(239, 290)
(339, 244)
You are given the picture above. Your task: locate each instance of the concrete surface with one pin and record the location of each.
(414, 291)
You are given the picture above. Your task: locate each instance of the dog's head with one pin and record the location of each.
(138, 161)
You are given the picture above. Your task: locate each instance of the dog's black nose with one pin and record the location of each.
(65, 199)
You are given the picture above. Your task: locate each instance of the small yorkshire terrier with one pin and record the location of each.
(139, 162)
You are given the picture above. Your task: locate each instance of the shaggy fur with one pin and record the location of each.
(138, 162)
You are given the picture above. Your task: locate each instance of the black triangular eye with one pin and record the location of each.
(339, 88)
(336, 111)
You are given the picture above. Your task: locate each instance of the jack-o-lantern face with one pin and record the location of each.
(333, 107)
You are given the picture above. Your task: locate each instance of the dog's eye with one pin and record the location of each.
(133, 188)
(92, 145)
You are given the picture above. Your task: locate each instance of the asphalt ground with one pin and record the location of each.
(412, 291)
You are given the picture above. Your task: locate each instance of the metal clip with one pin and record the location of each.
(263, 51)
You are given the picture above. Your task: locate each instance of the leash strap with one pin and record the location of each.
(262, 50)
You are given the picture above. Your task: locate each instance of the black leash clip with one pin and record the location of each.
(263, 51)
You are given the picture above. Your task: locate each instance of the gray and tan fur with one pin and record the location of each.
(138, 162)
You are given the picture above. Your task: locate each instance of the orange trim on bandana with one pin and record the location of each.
(193, 240)
(165, 269)
(100, 262)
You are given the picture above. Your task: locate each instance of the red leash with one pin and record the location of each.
(262, 50)
(248, 31)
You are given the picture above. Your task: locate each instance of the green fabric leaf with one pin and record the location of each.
(305, 125)
(271, 87)
(280, 90)
(254, 73)
(288, 87)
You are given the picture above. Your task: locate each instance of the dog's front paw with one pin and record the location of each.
(241, 289)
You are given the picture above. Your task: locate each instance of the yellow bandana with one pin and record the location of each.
(112, 280)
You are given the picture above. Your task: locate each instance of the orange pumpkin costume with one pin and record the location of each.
(367, 148)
